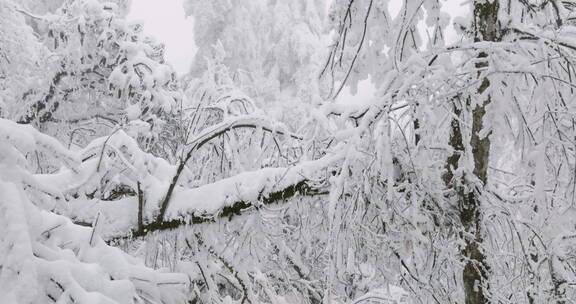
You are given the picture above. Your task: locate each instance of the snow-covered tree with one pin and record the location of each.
(271, 50)
(253, 180)
(45, 257)
(474, 128)
(100, 72)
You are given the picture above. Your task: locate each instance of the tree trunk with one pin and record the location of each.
(476, 269)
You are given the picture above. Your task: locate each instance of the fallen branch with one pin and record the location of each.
(206, 136)
(237, 208)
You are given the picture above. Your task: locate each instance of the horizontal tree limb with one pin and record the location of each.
(237, 208)
(205, 137)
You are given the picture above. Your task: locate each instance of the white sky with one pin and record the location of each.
(165, 20)
(455, 8)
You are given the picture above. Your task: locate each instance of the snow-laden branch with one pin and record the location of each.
(230, 196)
(392, 295)
(238, 122)
(26, 139)
(158, 199)
(42, 248)
(248, 121)
(46, 258)
(222, 199)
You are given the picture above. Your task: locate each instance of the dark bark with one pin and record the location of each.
(195, 146)
(140, 207)
(455, 141)
(237, 208)
(476, 269)
(39, 110)
(416, 123)
(168, 195)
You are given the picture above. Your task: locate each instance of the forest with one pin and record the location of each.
(269, 174)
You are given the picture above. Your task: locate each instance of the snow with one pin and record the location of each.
(249, 186)
(390, 295)
(120, 153)
(38, 246)
(47, 247)
(133, 211)
(207, 200)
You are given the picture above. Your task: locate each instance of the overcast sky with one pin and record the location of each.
(165, 20)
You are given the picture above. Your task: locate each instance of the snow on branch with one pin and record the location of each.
(222, 199)
(46, 258)
(246, 121)
(155, 198)
(49, 253)
(231, 196)
(26, 139)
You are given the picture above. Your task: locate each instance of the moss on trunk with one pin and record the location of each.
(476, 269)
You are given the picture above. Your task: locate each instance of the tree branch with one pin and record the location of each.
(205, 137)
(302, 188)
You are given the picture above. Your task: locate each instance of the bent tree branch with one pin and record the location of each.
(206, 136)
(302, 188)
